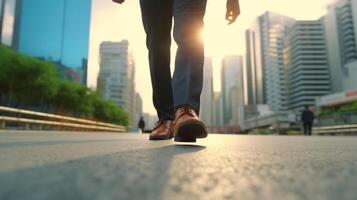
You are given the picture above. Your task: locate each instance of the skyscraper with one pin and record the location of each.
(306, 60)
(207, 95)
(341, 34)
(237, 100)
(218, 109)
(264, 73)
(230, 75)
(138, 109)
(8, 22)
(249, 75)
(117, 74)
(2, 7)
(57, 31)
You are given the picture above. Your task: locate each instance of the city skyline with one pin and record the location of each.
(118, 27)
(285, 63)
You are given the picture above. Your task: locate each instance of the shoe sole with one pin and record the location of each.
(189, 131)
(161, 138)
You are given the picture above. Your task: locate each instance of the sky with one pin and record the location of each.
(114, 22)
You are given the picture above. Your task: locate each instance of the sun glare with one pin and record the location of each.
(202, 36)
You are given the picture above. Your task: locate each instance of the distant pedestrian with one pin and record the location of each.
(307, 119)
(141, 124)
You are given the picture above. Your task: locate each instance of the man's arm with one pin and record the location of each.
(233, 11)
(119, 1)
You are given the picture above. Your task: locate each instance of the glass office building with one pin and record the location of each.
(56, 31)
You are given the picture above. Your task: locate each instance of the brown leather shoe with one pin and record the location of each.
(187, 126)
(162, 130)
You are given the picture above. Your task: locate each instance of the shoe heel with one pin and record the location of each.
(185, 139)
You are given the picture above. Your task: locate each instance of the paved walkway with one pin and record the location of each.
(52, 165)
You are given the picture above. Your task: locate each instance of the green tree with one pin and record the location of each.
(348, 108)
(28, 81)
(108, 111)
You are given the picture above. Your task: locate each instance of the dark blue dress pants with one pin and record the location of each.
(185, 86)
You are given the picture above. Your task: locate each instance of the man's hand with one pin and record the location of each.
(119, 1)
(233, 11)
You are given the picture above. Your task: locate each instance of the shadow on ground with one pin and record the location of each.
(134, 174)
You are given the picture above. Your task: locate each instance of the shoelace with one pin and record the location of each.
(186, 110)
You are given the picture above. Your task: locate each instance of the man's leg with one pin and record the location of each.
(188, 75)
(305, 128)
(157, 20)
(310, 128)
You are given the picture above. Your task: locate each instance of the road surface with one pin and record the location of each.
(54, 165)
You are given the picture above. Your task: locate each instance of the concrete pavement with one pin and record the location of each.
(55, 165)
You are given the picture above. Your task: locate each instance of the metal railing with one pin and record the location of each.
(344, 123)
(335, 130)
(52, 121)
(282, 118)
(337, 119)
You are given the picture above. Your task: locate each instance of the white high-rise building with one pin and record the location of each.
(306, 62)
(230, 76)
(8, 22)
(117, 74)
(138, 108)
(2, 8)
(264, 70)
(207, 95)
(237, 100)
(341, 36)
(218, 109)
